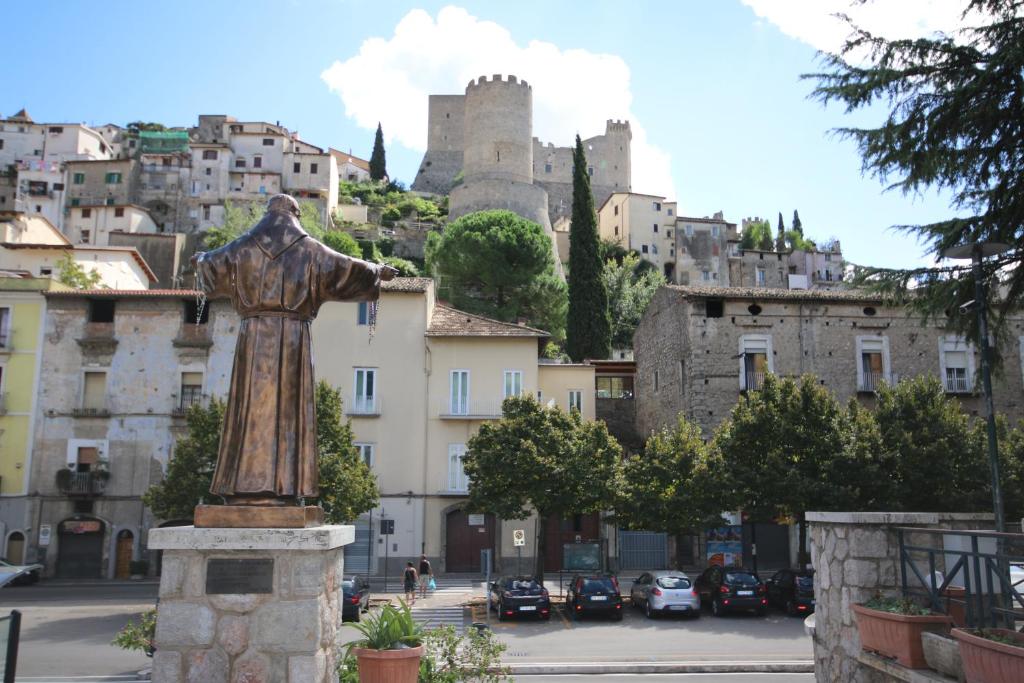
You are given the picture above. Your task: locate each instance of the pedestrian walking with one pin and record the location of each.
(425, 575)
(409, 579)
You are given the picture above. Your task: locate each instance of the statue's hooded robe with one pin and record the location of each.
(277, 277)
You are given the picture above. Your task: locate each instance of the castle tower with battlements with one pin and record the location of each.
(487, 136)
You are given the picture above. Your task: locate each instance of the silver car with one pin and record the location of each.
(665, 592)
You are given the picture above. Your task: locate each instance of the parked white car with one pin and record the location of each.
(19, 574)
(665, 592)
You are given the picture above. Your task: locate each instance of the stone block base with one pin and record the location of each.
(285, 635)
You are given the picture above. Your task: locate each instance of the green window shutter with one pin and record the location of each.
(74, 202)
(79, 179)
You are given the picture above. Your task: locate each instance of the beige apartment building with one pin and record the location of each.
(644, 223)
(416, 388)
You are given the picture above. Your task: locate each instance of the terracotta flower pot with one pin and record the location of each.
(957, 610)
(388, 666)
(897, 635)
(986, 661)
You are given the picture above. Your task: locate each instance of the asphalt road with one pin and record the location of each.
(66, 630)
(668, 678)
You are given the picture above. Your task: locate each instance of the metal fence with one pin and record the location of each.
(977, 577)
(10, 632)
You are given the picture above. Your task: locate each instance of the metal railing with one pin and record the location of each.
(81, 483)
(871, 381)
(977, 577)
(10, 632)
(956, 384)
(472, 409)
(190, 396)
(752, 381)
(90, 412)
(367, 405)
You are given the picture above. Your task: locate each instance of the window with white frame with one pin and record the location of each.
(457, 480)
(714, 231)
(5, 327)
(576, 400)
(363, 313)
(364, 399)
(956, 364)
(760, 277)
(540, 396)
(94, 391)
(365, 452)
(458, 395)
(755, 360)
(705, 275)
(872, 362)
(513, 384)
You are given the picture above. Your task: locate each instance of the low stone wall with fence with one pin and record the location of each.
(856, 555)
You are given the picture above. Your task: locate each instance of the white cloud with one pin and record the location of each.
(574, 91)
(813, 21)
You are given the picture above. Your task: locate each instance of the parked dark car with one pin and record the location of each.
(520, 596)
(356, 597)
(727, 589)
(792, 590)
(594, 594)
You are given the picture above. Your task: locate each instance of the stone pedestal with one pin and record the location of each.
(248, 605)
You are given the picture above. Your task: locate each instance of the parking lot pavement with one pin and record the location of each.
(739, 637)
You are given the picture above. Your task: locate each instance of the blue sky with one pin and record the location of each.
(713, 89)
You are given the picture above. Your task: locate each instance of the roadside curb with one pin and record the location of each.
(698, 667)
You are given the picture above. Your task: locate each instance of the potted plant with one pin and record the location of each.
(391, 646)
(138, 635)
(991, 655)
(893, 627)
(138, 569)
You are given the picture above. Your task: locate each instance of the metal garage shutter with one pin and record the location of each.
(643, 550)
(357, 554)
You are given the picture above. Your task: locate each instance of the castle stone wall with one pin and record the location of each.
(498, 130)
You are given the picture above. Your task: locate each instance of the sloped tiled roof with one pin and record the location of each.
(127, 293)
(764, 294)
(449, 322)
(406, 284)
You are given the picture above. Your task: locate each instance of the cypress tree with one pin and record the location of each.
(780, 235)
(378, 164)
(588, 329)
(797, 225)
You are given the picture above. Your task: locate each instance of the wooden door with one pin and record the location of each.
(466, 536)
(123, 563)
(584, 528)
(16, 548)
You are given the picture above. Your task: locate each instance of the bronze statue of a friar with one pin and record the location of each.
(276, 277)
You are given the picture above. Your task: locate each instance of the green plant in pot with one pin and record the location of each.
(391, 646)
(991, 655)
(893, 627)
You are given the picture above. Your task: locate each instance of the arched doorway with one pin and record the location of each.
(16, 548)
(80, 550)
(123, 556)
(465, 536)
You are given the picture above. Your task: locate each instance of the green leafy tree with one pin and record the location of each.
(190, 469)
(790, 447)
(73, 274)
(347, 486)
(798, 227)
(588, 328)
(496, 263)
(404, 267)
(954, 105)
(630, 290)
(780, 235)
(238, 218)
(757, 235)
(939, 458)
(343, 243)
(378, 163)
(674, 485)
(544, 461)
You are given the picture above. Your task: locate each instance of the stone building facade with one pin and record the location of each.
(698, 348)
(486, 133)
(119, 370)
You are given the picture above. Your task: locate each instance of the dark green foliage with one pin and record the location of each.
(757, 235)
(541, 460)
(348, 488)
(404, 267)
(588, 329)
(674, 485)
(798, 227)
(498, 264)
(780, 235)
(378, 163)
(954, 112)
(370, 252)
(343, 243)
(630, 288)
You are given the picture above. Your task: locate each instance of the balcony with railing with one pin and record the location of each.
(364, 406)
(483, 409)
(190, 396)
(871, 381)
(82, 483)
(956, 381)
(92, 411)
(453, 484)
(753, 380)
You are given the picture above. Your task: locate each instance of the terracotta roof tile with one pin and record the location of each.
(126, 293)
(449, 322)
(763, 294)
(406, 284)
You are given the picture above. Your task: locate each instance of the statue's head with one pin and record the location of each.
(284, 204)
